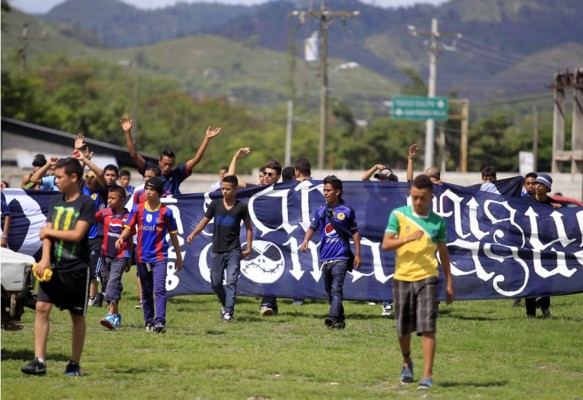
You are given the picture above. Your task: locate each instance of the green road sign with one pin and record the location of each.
(418, 108)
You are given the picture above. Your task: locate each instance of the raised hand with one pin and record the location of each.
(243, 152)
(79, 155)
(79, 141)
(88, 154)
(413, 150)
(127, 123)
(211, 133)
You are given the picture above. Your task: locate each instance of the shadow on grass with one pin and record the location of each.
(473, 384)
(474, 318)
(28, 354)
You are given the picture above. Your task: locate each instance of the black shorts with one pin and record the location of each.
(66, 290)
(416, 305)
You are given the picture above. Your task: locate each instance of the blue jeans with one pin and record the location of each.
(227, 264)
(334, 273)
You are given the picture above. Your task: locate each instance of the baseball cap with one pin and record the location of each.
(545, 179)
(155, 183)
(386, 175)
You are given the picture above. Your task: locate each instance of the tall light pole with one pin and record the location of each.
(434, 48)
(325, 18)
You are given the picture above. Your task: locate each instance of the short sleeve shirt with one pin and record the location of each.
(332, 245)
(113, 224)
(151, 227)
(416, 260)
(227, 224)
(69, 256)
(99, 197)
(173, 180)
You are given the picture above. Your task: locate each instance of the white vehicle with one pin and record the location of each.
(17, 284)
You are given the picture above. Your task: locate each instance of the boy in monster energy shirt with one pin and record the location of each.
(65, 250)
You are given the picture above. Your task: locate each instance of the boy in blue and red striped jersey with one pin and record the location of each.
(114, 261)
(152, 221)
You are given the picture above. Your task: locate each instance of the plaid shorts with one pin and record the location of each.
(416, 305)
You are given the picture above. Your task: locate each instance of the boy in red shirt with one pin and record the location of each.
(115, 261)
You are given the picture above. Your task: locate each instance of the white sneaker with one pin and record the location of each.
(387, 311)
(227, 317)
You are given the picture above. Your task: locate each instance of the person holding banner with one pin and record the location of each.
(337, 223)
(542, 186)
(228, 213)
(416, 233)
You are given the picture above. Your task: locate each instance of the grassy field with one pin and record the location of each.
(486, 350)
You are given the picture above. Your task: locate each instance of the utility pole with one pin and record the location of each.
(463, 116)
(288, 132)
(434, 47)
(26, 39)
(534, 138)
(325, 16)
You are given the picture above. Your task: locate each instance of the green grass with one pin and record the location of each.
(486, 349)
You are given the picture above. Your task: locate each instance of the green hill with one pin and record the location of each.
(208, 66)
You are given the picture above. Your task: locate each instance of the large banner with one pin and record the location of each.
(500, 246)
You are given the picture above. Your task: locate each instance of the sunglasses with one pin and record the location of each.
(89, 177)
(269, 174)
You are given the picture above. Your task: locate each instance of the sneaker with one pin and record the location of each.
(227, 317)
(138, 306)
(546, 313)
(160, 328)
(266, 311)
(338, 325)
(149, 327)
(297, 302)
(223, 312)
(425, 383)
(387, 311)
(329, 321)
(36, 367)
(72, 369)
(108, 321)
(96, 301)
(117, 320)
(407, 373)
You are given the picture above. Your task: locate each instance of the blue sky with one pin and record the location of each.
(38, 6)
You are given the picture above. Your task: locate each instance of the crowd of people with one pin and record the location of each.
(99, 226)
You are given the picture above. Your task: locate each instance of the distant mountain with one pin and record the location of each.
(504, 49)
(120, 25)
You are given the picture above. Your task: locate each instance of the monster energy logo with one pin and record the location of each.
(64, 220)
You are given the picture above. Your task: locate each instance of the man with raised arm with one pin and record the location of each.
(171, 176)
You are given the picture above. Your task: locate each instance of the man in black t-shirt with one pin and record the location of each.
(64, 265)
(228, 213)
